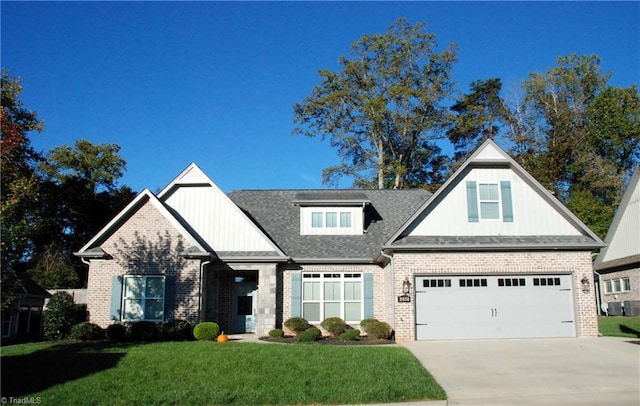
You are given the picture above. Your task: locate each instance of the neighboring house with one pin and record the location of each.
(23, 321)
(618, 264)
(492, 254)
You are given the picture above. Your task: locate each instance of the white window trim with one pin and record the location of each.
(498, 202)
(348, 221)
(321, 278)
(143, 297)
(610, 288)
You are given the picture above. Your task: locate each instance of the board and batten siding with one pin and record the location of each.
(217, 220)
(625, 241)
(532, 215)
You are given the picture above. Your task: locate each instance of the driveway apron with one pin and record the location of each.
(564, 371)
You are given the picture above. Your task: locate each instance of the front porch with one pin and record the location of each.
(241, 298)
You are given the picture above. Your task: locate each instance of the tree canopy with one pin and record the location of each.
(384, 109)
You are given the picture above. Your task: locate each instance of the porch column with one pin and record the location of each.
(267, 296)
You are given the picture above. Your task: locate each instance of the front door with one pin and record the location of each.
(243, 301)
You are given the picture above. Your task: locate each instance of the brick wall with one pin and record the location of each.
(634, 281)
(145, 244)
(578, 264)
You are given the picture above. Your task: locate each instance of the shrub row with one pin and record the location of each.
(174, 330)
(336, 327)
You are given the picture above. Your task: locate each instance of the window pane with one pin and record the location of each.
(153, 309)
(332, 310)
(607, 287)
(352, 312)
(316, 219)
(352, 291)
(332, 291)
(132, 309)
(155, 287)
(332, 219)
(489, 192)
(311, 311)
(616, 285)
(345, 219)
(132, 287)
(627, 284)
(311, 291)
(489, 210)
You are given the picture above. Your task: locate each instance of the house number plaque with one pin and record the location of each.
(404, 299)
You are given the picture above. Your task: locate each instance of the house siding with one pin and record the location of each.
(149, 227)
(634, 280)
(578, 264)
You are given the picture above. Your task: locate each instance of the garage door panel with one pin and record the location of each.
(512, 306)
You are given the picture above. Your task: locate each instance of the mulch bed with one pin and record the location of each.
(329, 341)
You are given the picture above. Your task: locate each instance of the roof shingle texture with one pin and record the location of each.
(275, 212)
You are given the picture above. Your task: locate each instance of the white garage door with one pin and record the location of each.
(508, 306)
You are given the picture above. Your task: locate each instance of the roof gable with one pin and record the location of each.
(91, 249)
(623, 236)
(215, 218)
(445, 214)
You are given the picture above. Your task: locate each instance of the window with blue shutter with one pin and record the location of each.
(507, 206)
(115, 308)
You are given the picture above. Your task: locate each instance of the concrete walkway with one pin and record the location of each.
(569, 371)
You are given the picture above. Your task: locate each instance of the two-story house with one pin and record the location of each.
(491, 254)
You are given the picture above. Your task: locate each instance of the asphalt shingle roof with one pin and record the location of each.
(276, 212)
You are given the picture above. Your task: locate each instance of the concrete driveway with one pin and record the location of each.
(563, 371)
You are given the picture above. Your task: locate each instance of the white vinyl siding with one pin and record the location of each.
(533, 215)
(143, 298)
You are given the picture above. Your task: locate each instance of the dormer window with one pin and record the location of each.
(332, 213)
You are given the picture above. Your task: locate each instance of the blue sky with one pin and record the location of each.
(215, 82)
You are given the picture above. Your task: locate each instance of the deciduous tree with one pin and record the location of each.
(384, 109)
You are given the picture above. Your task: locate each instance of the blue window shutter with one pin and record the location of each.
(507, 206)
(368, 295)
(115, 310)
(472, 201)
(169, 296)
(296, 295)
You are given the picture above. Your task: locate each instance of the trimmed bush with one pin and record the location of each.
(364, 324)
(334, 325)
(309, 335)
(60, 316)
(143, 331)
(116, 332)
(350, 335)
(206, 330)
(297, 325)
(276, 333)
(177, 330)
(86, 331)
(380, 330)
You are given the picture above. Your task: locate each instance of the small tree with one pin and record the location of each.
(61, 314)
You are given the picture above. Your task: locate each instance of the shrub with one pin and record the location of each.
(116, 332)
(177, 330)
(334, 325)
(207, 330)
(364, 324)
(310, 334)
(60, 316)
(143, 331)
(380, 329)
(276, 333)
(297, 324)
(350, 335)
(86, 331)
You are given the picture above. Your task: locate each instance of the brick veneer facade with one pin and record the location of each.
(578, 264)
(146, 244)
(634, 280)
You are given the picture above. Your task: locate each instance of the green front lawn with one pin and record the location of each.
(201, 373)
(618, 326)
